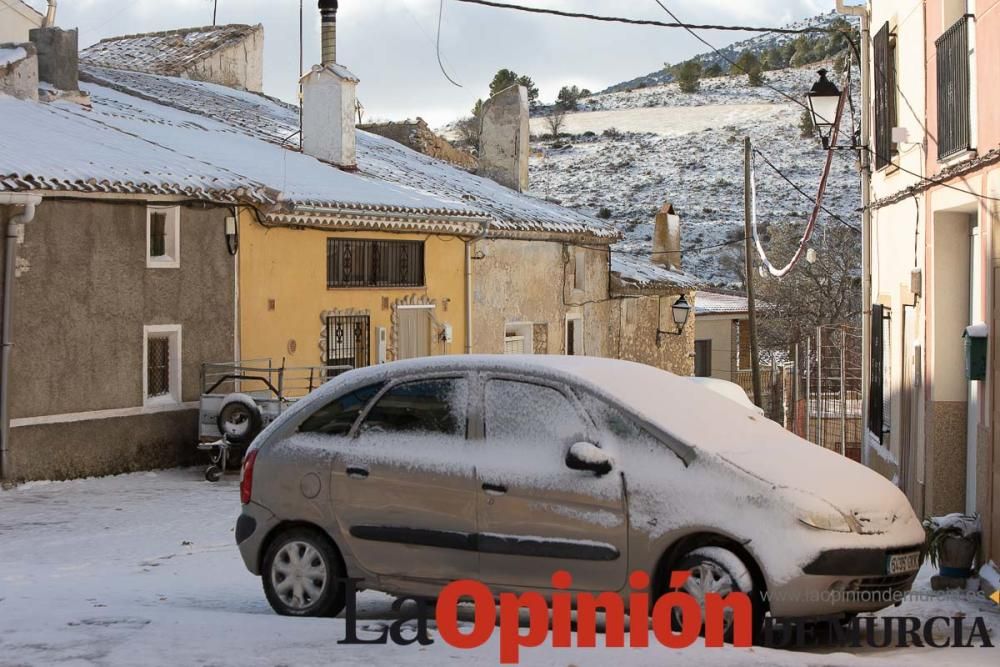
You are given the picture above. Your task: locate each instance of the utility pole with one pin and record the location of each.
(215, 10)
(748, 243)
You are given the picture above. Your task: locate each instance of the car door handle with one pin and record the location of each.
(496, 489)
(357, 472)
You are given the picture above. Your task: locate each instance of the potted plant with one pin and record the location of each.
(952, 543)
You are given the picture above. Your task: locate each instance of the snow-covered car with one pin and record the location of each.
(413, 474)
(730, 390)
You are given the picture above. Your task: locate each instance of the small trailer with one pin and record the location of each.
(239, 399)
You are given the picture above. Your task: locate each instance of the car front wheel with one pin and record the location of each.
(301, 575)
(718, 570)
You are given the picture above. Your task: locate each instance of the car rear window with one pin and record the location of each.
(337, 416)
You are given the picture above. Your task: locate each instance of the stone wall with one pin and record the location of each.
(419, 136)
(238, 66)
(19, 77)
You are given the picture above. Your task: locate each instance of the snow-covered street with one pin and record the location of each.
(142, 569)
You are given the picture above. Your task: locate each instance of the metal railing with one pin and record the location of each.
(262, 379)
(954, 124)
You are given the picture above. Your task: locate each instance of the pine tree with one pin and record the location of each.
(689, 76)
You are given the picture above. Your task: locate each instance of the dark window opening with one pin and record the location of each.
(703, 358)
(157, 234)
(157, 366)
(884, 51)
(954, 124)
(347, 341)
(370, 263)
(424, 407)
(878, 394)
(338, 416)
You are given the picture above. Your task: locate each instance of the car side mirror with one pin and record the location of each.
(586, 456)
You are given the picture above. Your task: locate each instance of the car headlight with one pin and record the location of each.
(830, 520)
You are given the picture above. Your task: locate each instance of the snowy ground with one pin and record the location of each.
(142, 570)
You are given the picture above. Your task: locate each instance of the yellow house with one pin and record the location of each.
(313, 296)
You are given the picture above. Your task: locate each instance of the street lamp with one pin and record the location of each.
(824, 99)
(680, 312)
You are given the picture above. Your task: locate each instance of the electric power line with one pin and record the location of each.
(647, 22)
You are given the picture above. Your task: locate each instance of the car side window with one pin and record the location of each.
(422, 407)
(613, 424)
(530, 413)
(338, 416)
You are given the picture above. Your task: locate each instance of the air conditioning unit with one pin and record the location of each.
(381, 345)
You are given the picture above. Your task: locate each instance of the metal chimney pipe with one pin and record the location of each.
(328, 16)
(50, 15)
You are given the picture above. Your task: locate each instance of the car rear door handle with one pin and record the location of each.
(494, 489)
(357, 472)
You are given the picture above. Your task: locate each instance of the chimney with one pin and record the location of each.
(503, 141)
(329, 101)
(328, 18)
(667, 238)
(58, 56)
(19, 71)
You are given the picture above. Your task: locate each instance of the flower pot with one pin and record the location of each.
(956, 555)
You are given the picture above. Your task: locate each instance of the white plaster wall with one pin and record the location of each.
(718, 329)
(16, 19)
(328, 118)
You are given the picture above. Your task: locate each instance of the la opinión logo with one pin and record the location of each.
(673, 609)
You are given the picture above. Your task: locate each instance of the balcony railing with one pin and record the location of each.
(954, 119)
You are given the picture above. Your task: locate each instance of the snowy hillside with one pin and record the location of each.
(758, 44)
(634, 151)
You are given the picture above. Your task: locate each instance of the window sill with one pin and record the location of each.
(363, 288)
(158, 403)
(957, 158)
(162, 263)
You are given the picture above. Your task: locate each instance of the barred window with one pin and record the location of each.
(347, 339)
(885, 96)
(157, 366)
(157, 234)
(371, 263)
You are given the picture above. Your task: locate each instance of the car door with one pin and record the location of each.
(536, 515)
(403, 491)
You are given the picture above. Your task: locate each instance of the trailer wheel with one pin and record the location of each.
(239, 420)
(213, 474)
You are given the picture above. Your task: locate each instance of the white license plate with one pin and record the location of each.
(902, 563)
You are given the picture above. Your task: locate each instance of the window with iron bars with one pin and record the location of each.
(347, 340)
(884, 50)
(371, 263)
(157, 366)
(954, 122)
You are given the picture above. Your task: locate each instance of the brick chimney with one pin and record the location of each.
(58, 56)
(503, 141)
(667, 238)
(329, 100)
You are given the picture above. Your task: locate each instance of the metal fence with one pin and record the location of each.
(816, 393)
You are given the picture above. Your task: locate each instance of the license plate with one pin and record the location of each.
(902, 563)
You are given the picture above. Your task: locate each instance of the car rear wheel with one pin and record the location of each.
(301, 575)
(718, 570)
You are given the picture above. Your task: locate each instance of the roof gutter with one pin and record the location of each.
(29, 202)
(50, 15)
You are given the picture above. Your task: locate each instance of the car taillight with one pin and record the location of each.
(246, 476)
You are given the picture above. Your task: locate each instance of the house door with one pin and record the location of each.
(975, 388)
(414, 331)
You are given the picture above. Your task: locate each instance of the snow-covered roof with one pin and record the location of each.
(708, 303)
(170, 52)
(639, 271)
(379, 159)
(63, 148)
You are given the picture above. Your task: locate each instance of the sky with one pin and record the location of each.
(391, 44)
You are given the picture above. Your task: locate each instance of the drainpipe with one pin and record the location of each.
(29, 201)
(861, 11)
(468, 283)
(50, 15)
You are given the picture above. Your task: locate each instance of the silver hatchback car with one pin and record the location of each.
(413, 474)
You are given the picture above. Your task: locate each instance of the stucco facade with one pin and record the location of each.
(285, 299)
(936, 261)
(18, 18)
(82, 297)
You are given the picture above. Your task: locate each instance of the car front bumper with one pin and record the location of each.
(843, 581)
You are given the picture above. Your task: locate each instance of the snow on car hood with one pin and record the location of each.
(714, 425)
